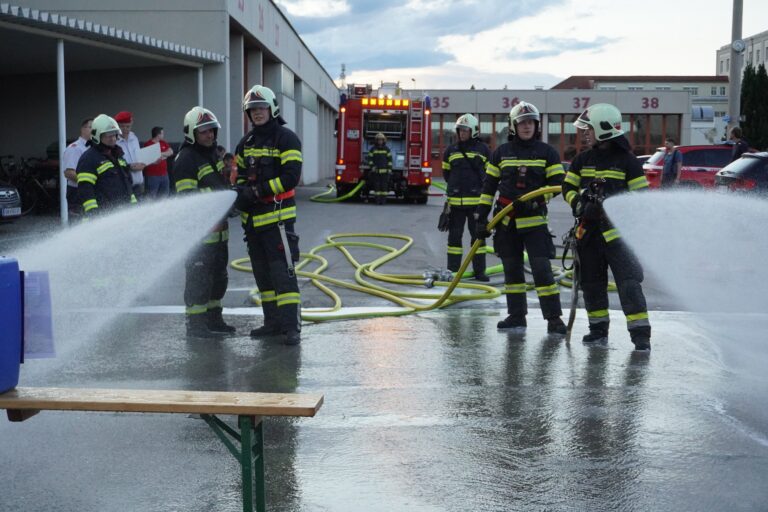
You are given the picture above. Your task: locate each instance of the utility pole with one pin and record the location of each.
(734, 96)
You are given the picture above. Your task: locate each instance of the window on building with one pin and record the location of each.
(722, 91)
(722, 66)
(486, 129)
(501, 130)
(727, 65)
(607, 88)
(663, 88)
(635, 88)
(749, 56)
(693, 90)
(757, 56)
(646, 132)
(713, 91)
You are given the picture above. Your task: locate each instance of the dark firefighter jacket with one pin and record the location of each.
(103, 179)
(464, 174)
(613, 162)
(516, 168)
(269, 158)
(380, 158)
(198, 169)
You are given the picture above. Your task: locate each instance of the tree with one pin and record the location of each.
(754, 106)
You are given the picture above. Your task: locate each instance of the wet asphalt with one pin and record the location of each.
(437, 411)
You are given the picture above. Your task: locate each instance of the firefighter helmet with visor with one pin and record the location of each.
(522, 111)
(468, 121)
(199, 118)
(260, 96)
(603, 118)
(103, 125)
(380, 136)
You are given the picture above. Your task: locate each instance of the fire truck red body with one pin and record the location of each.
(404, 120)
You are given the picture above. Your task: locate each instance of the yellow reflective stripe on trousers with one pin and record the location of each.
(288, 298)
(452, 249)
(486, 199)
(611, 235)
(544, 291)
(530, 222)
(133, 199)
(90, 204)
(196, 309)
(599, 313)
(186, 184)
(637, 183)
(515, 288)
(214, 304)
(86, 177)
(292, 155)
(267, 296)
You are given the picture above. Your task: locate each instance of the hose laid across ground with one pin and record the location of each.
(399, 297)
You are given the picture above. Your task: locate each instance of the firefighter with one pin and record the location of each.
(517, 167)
(463, 170)
(198, 169)
(606, 169)
(268, 170)
(103, 176)
(380, 168)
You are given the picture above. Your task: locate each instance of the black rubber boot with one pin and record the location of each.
(216, 322)
(481, 277)
(292, 338)
(596, 335)
(556, 326)
(512, 323)
(197, 327)
(265, 330)
(642, 343)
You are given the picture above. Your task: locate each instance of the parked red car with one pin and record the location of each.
(700, 164)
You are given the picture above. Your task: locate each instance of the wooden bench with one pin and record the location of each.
(22, 403)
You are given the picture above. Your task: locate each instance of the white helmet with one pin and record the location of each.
(261, 96)
(605, 119)
(521, 111)
(103, 125)
(198, 118)
(469, 121)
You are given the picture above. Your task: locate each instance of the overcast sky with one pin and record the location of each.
(453, 44)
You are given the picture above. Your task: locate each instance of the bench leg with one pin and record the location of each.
(252, 462)
(250, 455)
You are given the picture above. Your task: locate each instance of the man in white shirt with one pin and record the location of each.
(71, 156)
(129, 143)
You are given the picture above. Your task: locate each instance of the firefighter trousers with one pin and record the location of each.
(456, 219)
(278, 289)
(206, 277)
(596, 256)
(380, 184)
(509, 245)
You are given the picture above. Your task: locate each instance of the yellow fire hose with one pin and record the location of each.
(320, 198)
(476, 291)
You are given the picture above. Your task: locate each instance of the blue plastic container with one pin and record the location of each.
(11, 310)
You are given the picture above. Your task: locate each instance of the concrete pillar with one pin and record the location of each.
(62, 97)
(236, 84)
(216, 95)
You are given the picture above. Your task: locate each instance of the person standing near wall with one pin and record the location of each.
(72, 154)
(129, 143)
(156, 174)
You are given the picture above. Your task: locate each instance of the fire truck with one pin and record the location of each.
(404, 119)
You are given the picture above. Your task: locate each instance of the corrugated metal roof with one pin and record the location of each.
(104, 33)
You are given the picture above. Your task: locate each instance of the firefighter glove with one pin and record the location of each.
(443, 222)
(246, 196)
(592, 211)
(481, 231)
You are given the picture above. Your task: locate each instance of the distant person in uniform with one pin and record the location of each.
(72, 155)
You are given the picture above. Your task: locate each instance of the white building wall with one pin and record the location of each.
(310, 152)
